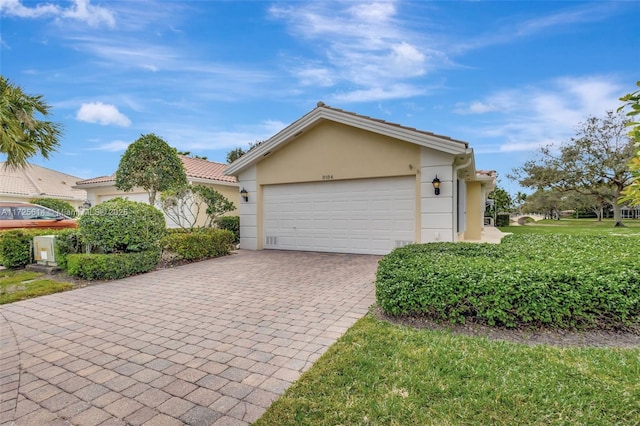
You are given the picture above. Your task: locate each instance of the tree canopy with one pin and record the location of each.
(631, 193)
(150, 163)
(236, 153)
(593, 163)
(22, 134)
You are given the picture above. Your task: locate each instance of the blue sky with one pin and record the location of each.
(209, 76)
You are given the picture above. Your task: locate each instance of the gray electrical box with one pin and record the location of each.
(44, 250)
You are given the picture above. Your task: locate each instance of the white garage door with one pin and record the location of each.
(371, 216)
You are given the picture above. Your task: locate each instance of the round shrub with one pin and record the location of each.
(120, 225)
(558, 281)
(60, 206)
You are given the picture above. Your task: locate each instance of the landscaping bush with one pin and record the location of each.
(230, 223)
(120, 225)
(560, 281)
(502, 219)
(98, 266)
(68, 242)
(60, 206)
(16, 246)
(198, 244)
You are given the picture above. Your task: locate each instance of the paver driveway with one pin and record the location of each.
(208, 343)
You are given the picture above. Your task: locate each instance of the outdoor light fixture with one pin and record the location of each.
(436, 185)
(244, 194)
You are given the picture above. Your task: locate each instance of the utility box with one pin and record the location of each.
(44, 251)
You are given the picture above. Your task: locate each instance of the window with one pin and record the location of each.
(6, 213)
(32, 213)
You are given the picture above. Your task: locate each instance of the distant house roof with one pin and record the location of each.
(36, 181)
(195, 168)
(323, 112)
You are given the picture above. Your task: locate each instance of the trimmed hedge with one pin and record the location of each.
(230, 223)
(559, 281)
(198, 244)
(111, 266)
(16, 250)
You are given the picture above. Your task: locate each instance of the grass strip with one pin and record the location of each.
(20, 285)
(383, 374)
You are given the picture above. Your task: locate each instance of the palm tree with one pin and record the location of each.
(22, 135)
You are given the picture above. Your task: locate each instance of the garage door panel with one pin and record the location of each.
(359, 216)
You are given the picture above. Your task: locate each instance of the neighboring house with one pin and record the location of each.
(202, 172)
(24, 184)
(336, 181)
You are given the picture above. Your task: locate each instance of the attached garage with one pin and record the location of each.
(351, 216)
(336, 181)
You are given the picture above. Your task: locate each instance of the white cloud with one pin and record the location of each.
(397, 91)
(114, 146)
(185, 137)
(526, 118)
(365, 45)
(80, 10)
(105, 114)
(17, 9)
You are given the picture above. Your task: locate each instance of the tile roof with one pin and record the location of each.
(37, 181)
(194, 167)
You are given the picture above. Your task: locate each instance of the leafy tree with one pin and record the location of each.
(631, 193)
(502, 201)
(188, 154)
(236, 153)
(184, 204)
(547, 202)
(22, 134)
(150, 163)
(592, 163)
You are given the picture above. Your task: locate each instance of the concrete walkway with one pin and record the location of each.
(214, 342)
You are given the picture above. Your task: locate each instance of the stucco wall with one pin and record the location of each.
(333, 151)
(475, 211)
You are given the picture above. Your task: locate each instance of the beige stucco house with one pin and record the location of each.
(199, 172)
(336, 181)
(24, 184)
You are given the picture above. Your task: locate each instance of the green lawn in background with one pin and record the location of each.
(19, 285)
(577, 227)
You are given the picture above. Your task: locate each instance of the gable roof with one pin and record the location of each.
(196, 168)
(324, 112)
(37, 181)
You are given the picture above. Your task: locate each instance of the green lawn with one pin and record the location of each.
(20, 285)
(384, 374)
(577, 227)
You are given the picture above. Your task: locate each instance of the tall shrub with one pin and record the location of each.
(119, 225)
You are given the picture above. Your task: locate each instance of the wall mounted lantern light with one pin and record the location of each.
(436, 185)
(244, 194)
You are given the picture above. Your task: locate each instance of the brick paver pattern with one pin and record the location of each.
(209, 343)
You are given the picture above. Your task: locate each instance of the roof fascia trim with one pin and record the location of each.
(449, 146)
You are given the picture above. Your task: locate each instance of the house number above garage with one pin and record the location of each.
(327, 177)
